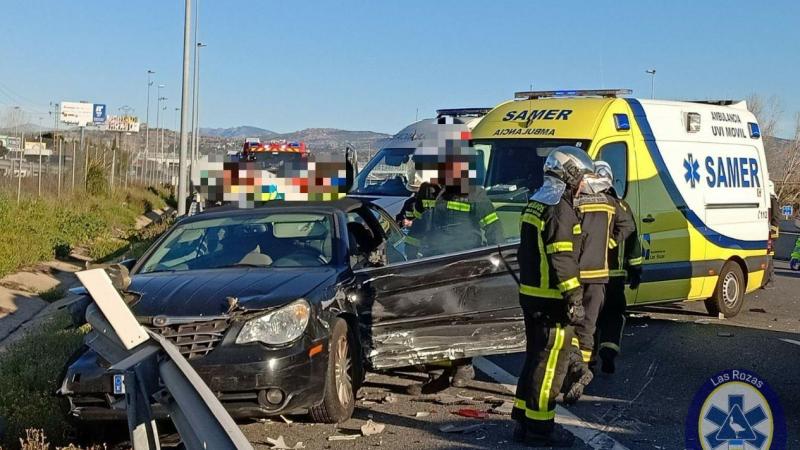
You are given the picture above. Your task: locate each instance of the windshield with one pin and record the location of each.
(253, 240)
(515, 165)
(386, 173)
(272, 161)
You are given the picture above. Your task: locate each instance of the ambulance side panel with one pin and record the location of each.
(703, 199)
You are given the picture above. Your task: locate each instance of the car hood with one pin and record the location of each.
(205, 292)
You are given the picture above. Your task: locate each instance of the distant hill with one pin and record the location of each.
(237, 132)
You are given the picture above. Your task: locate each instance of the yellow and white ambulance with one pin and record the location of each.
(694, 173)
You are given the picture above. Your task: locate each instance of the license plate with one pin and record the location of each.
(119, 384)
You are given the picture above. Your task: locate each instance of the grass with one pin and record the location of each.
(53, 294)
(37, 230)
(30, 373)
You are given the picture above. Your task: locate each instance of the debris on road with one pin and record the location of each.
(368, 402)
(280, 444)
(504, 408)
(389, 398)
(372, 428)
(447, 399)
(471, 413)
(289, 421)
(721, 316)
(422, 414)
(758, 310)
(450, 428)
(343, 437)
(724, 334)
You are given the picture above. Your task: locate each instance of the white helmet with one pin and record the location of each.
(568, 164)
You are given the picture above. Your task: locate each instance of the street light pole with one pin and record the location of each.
(652, 73)
(194, 83)
(147, 133)
(158, 112)
(196, 112)
(183, 191)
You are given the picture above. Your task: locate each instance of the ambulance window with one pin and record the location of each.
(616, 155)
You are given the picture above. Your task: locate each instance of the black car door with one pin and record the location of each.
(449, 306)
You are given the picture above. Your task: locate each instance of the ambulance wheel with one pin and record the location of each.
(729, 294)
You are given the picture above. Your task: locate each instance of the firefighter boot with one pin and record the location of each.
(556, 437)
(607, 356)
(463, 375)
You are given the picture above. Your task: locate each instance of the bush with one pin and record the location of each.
(30, 373)
(41, 229)
(53, 294)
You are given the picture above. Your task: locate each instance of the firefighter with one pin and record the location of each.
(423, 199)
(624, 260)
(596, 211)
(451, 213)
(460, 216)
(550, 295)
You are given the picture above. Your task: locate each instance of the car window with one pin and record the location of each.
(616, 155)
(265, 240)
(395, 239)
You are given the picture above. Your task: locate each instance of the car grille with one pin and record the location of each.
(194, 339)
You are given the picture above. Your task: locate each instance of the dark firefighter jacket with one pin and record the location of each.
(596, 213)
(455, 222)
(624, 248)
(421, 201)
(548, 258)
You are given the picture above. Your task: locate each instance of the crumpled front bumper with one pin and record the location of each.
(239, 375)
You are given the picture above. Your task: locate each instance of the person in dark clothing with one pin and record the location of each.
(450, 213)
(624, 261)
(550, 295)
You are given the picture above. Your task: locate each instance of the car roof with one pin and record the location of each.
(345, 205)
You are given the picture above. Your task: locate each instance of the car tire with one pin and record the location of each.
(338, 400)
(728, 296)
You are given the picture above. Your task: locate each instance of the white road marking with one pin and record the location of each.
(791, 341)
(590, 433)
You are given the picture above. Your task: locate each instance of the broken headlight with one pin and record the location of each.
(277, 327)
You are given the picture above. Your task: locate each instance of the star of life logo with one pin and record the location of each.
(692, 175)
(735, 410)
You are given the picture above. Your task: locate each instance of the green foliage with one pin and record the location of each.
(30, 373)
(96, 179)
(53, 294)
(37, 230)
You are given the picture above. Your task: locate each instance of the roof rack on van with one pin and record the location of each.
(529, 95)
(458, 112)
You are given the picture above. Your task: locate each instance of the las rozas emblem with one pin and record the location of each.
(735, 410)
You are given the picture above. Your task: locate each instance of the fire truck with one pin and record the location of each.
(274, 154)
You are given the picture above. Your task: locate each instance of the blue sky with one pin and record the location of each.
(369, 65)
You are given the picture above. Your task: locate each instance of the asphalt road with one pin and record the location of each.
(668, 353)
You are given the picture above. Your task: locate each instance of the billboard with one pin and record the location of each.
(99, 114)
(122, 123)
(74, 113)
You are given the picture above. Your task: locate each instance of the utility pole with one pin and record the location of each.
(652, 73)
(74, 157)
(147, 133)
(182, 172)
(161, 150)
(158, 118)
(174, 152)
(20, 146)
(196, 112)
(194, 85)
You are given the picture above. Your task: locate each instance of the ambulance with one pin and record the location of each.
(694, 172)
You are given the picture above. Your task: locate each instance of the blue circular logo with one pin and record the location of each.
(735, 410)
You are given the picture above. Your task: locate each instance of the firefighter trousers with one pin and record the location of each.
(546, 364)
(612, 316)
(593, 298)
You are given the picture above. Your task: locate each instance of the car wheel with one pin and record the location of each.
(794, 264)
(339, 396)
(729, 295)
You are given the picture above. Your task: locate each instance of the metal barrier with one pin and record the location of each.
(147, 366)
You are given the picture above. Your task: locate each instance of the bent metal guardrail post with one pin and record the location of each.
(146, 366)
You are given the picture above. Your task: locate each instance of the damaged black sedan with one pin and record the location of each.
(281, 309)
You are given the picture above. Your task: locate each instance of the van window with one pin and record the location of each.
(616, 155)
